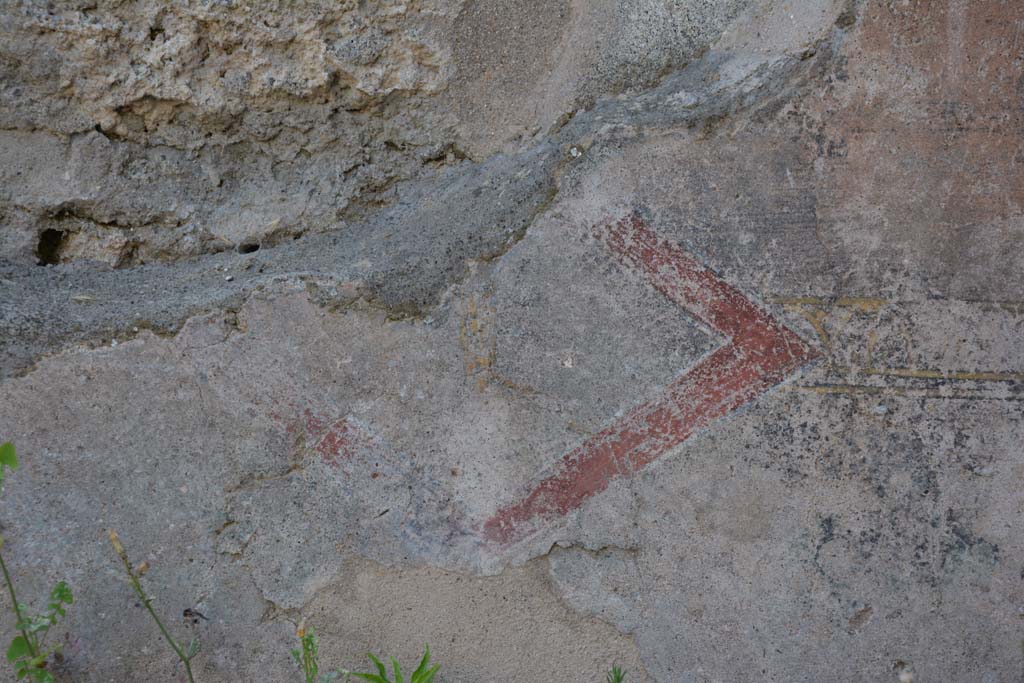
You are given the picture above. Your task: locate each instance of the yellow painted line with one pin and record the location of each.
(872, 304)
(1008, 306)
(902, 392)
(914, 373)
(817, 321)
(834, 388)
(866, 304)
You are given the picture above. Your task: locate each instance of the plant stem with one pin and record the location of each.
(17, 610)
(149, 608)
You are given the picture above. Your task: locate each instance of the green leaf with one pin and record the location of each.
(429, 674)
(398, 672)
(19, 648)
(62, 594)
(41, 676)
(616, 675)
(7, 456)
(380, 667)
(193, 648)
(373, 678)
(36, 624)
(418, 673)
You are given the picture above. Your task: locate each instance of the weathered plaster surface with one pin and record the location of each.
(434, 324)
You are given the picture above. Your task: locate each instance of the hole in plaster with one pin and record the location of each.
(248, 248)
(50, 243)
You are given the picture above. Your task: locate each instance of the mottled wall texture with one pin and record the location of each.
(682, 334)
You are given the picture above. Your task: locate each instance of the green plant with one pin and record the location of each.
(616, 675)
(28, 651)
(306, 656)
(421, 675)
(185, 654)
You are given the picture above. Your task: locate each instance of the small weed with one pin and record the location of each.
(616, 675)
(29, 654)
(422, 674)
(27, 651)
(307, 657)
(184, 653)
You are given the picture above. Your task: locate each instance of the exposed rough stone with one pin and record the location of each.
(161, 131)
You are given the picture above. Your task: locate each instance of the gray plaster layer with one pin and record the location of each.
(320, 429)
(408, 254)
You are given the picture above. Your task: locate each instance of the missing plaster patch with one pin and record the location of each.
(51, 243)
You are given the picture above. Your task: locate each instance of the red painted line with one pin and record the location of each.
(760, 354)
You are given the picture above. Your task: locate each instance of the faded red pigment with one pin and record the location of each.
(336, 443)
(760, 353)
(342, 441)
